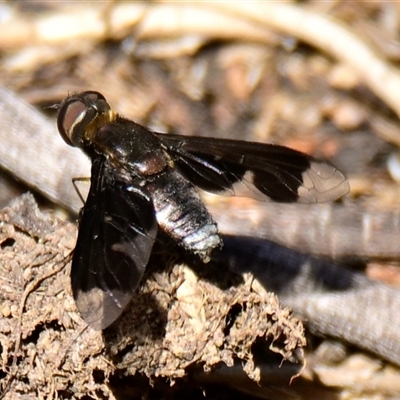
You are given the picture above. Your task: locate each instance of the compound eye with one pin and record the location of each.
(76, 112)
(71, 113)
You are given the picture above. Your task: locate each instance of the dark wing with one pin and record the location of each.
(116, 234)
(254, 169)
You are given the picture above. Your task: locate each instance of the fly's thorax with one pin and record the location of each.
(182, 215)
(130, 146)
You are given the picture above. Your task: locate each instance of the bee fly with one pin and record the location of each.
(142, 181)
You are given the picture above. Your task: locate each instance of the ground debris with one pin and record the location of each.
(178, 324)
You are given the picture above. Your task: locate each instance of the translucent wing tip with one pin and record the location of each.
(100, 309)
(322, 182)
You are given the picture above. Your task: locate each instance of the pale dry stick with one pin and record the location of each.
(54, 37)
(33, 151)
(337, 230)
(149, 21)
(60, 27)
(330, 36)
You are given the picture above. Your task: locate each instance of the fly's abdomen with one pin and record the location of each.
(182, 215)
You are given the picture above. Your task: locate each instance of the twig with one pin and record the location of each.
(340, 231)
(149, 21)
(32, 150)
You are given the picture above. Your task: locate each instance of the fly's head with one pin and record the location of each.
(80, 115)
